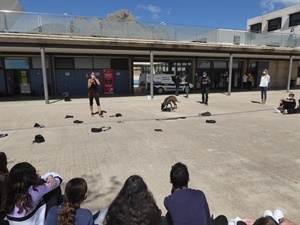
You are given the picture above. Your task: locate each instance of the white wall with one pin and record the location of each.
(283, 13)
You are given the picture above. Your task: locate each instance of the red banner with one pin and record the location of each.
(108, 78)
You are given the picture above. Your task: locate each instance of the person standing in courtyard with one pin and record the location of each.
(205, 85)
(186, 86)
(92, 85)
(177, 81)
(185, 205)
(250, 80)
(264, 83)
(245, 77)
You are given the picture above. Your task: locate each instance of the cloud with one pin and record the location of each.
(272, 5)
(169, 11)
(155, 16)
(150, 8)
(139, 17)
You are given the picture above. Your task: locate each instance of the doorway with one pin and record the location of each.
(17, 82)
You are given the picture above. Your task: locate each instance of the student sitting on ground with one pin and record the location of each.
(292, 111)
(286, 103)
(70, 212)
(3, 179)
(270, 221)
(26, 195)
(133, 205)
(268, 218)
(185, 205)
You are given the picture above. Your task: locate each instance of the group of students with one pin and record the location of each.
(30, 199)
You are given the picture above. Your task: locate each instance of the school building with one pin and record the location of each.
(43, 54)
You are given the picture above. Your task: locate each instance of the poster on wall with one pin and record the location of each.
(108, 79)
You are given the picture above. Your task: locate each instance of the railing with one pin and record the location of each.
(34, 23)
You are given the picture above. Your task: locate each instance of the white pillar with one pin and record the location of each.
(45, 82)
(230, 73)
(290, 74)
(151, 75)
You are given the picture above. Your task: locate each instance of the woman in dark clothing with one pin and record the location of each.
(92, 85)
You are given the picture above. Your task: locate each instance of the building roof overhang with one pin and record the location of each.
(11, 43)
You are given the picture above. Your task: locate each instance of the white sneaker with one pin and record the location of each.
(278, 215)
(285, 112)
(234, 221)
(268, 213)
(277, 110)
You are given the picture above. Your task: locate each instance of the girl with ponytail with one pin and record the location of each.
(70, 212)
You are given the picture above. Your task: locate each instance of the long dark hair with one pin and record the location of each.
(3, 179)
(133, 205)
(3, 163)
(75, 194)
(21, 177)
(268, 220)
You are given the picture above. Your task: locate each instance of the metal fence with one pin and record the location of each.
(34, 23)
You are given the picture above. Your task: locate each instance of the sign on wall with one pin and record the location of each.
(108, 79)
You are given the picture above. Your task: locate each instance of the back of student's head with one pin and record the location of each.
(21, 177)
(133, 205)
(3, 163)
(75, 194)
(179, 176)
(268, 220)
(134, 185)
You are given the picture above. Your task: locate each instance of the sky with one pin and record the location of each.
(230, 14)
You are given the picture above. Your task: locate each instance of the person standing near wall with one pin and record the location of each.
(245, 78)
(177, 81)
(264, 83)
(186, 86)
(92, 85)
(250, 80)
(205, 85)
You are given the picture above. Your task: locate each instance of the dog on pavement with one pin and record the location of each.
(168, 101)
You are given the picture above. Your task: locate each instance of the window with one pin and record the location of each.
(256, 28)
(64, 63)
(274, 24)
(220, 64)
(294, 19)
(16, 63)
(203, 64)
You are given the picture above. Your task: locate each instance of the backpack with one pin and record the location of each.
(39, 138)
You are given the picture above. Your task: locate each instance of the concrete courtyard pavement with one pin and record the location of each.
(246, 162)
